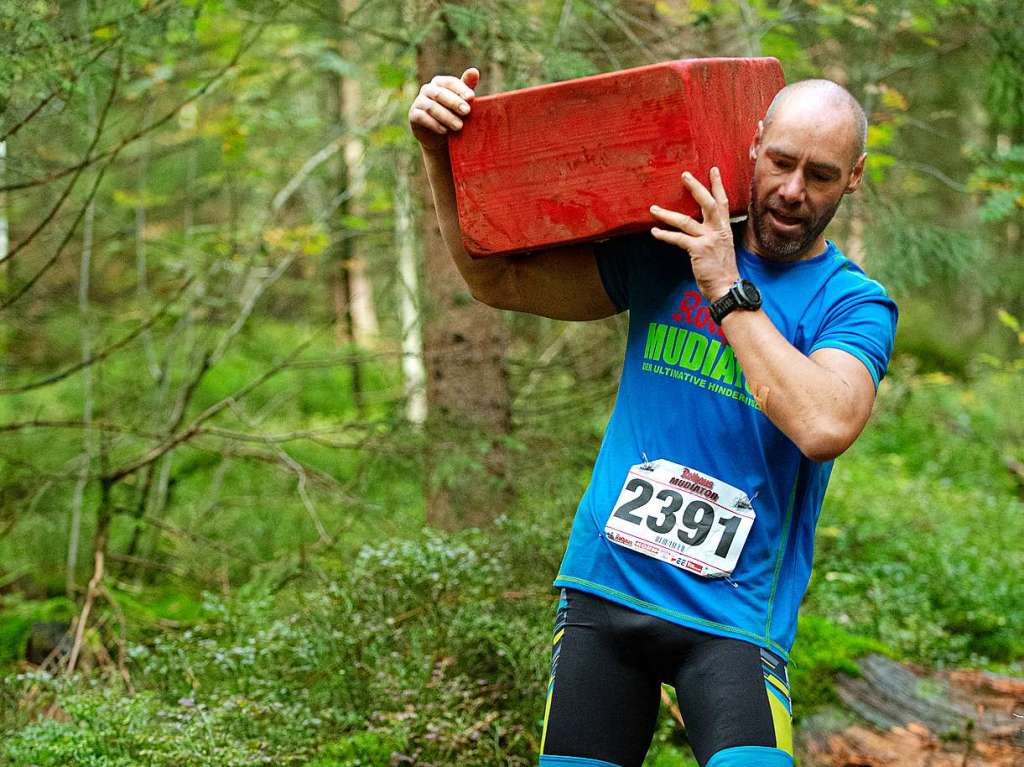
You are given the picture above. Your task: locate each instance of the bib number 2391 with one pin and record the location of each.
(681, 516)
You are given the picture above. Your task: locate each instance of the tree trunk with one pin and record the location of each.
(355, 318)
(467, 386)
(855, 249)
(360, 297)
(413, 371)
(85, 326)
(141, 265)
(5, 239)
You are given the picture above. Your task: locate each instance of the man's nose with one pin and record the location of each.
(792, 189)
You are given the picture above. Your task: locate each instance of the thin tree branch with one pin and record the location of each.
(167, 527)
(247, 308)
(106, 426)
(609, 13)
(28, 285)
(186, 394)
(307, 167)
(193, 428)
(38, 472)
(934, 172)
(289, 436)
(315, 436)
(321, 477)
(103, 353)
(129, 559)
(373, 30)
(600, 43)
(100, 553)
(145, 129)
(97, 135)
(300, 472)
(91, 33)
(55, 93)
(122, 640)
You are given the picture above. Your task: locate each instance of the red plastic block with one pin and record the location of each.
(585, 159)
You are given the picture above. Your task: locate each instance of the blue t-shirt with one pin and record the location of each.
(683, 397)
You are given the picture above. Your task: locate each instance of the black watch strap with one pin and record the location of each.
(742, 295)
(723, 306)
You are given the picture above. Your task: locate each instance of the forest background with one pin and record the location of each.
(274, 490)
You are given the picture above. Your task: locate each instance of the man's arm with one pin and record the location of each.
(820, 402)
(562, 283)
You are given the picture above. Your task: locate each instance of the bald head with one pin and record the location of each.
(822, 99)
(808, 153)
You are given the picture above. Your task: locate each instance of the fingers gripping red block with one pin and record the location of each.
(585, 159)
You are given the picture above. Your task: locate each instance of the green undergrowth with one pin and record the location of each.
(422, 645)
(918, 541)
(17, 616)
(409, 647)
(821, 651)
(432, 647)
(360, 465)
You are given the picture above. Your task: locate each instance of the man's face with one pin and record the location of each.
(803, 165)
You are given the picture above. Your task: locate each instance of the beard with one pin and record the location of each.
(775, 245)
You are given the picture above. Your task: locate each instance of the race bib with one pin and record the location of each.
(681, 516)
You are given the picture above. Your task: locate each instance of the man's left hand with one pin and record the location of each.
(709, 242)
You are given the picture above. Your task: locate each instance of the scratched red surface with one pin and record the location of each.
(584, 159)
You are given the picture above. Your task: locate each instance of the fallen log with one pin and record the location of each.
(913, 718)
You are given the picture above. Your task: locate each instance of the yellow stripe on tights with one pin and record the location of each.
(777, 684)
(547, 713)
(783, 725)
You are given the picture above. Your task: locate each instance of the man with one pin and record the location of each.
(752, 361)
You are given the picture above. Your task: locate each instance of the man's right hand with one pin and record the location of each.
(440, 107)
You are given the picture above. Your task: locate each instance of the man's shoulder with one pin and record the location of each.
(634, 243)
(850, 298)
(637, 267)
(848, 278)
(642, 255)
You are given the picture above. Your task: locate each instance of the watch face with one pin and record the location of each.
(750, 294)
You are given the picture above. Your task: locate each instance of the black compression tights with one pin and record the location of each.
(608, 664)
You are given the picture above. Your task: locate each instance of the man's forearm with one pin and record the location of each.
(822, 410)
(485, 277)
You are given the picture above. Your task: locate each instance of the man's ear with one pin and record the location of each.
(755, 145)
(856, 175)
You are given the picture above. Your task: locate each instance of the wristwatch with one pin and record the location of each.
(742, 295)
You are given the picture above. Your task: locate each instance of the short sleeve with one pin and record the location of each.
(862, 323)
(616, 260)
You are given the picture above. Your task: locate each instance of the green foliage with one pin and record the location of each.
(381, 638)
(906, 550)
(410, 639)
(914, 253)
(108, 728)
(821, 651)
(17, 616)
(161, 603)
(1001, 184)
(1005, 76)
(434, 646)
(365, 749)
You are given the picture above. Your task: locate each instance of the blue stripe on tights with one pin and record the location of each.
(550, 760)
(751, 756)
(779, 697)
